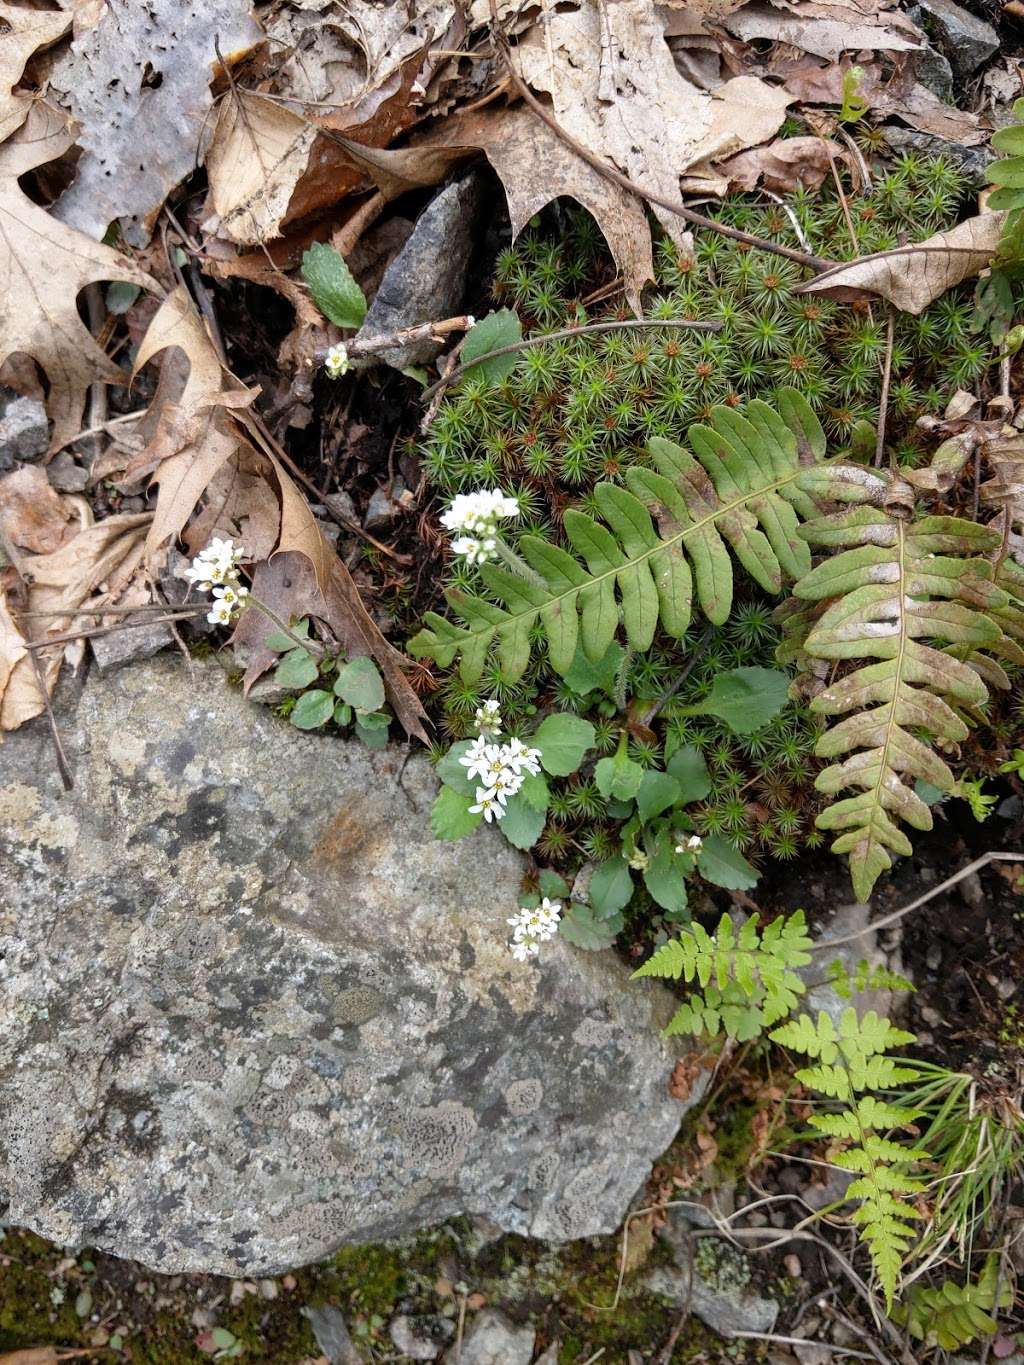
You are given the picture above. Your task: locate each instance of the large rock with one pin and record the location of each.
(250, 1009)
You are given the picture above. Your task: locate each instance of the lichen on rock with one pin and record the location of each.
(250, 1010)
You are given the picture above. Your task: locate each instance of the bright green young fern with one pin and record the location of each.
(894, 586)
(753, 475)
(748, 978)
(849, 1064)
(954, 1315)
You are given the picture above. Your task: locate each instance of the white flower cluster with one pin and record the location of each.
(488, 718)
(531, 928)
(336, 361)
(216, 567)
(501, 769)
(477, 516)
(693, 845)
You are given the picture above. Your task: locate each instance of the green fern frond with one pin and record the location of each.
(893, 585)
(865, 977)
(954, 1315)
(850, 1059)
(752, 476)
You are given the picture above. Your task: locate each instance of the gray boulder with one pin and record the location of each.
(250, 1010)
(966, 40)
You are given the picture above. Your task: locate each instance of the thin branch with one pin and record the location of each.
(109, 630)
(603, 168)
(983, 861)
(805, 1341)
(541, 338)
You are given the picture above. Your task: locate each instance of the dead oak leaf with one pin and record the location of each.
(912, 277)
(44, 265)
(1005, 455)
(33, 516)
(25, 32)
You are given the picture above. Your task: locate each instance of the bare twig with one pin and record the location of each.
(603, 168)
(109, 630)
(540, 338)
(805, 1341)
(976, 865)
(349, 233)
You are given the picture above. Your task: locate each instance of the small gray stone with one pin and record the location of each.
(384, 506)
(935, 73)
(24, 432)
(971, 160)
(712, 1278)
(332, 1336)
(251, 1010)
(427, 279)
(966, 40)
(130, 642)
(850, 919)
(492, 1339)
(420, 1338)
(66, 475)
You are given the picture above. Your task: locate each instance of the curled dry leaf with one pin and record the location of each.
(1005, 456)
(912, 277)
(25, 31)
(138, 83)
(44, 265)
(826, 29)
(94, 568)
(33, 515)
(944, 468)
(781, 166)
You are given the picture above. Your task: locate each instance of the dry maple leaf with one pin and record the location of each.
(94, 568)
(26, 30)
(912, 277)
(43, 268)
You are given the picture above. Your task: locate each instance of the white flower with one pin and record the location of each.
(693, 845)
(488, 717)
(478, 758)
(523, 949)
(487, 804)
(539, 922)
(519, 757)
(506, 783)
(220, 615)
(218, 563)
(336, 361)
(473, 551)
(480, 512)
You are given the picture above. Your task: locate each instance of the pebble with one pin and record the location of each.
(793, 1267)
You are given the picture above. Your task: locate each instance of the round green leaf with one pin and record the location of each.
(498, 329)
(745, 698)
(312, 710)
(563, 740)
(522, 824)
(581, 926)
(453, 773)
(611, 888)
(688, 768)
(450, 816)
(334, 290)
(359, 683)
(297, 669)
(724, 865)
(656, 793)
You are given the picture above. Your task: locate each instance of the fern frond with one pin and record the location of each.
(896, 585)
(954, 1315)
(751, 476)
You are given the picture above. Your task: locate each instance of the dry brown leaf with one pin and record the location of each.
(12, 642)
(911, 277)
(780, 166)
(138, 83)
(32, 514)
(193, 439)
(826, 29)
(1005, 455)
(93, 568)
(259, 152)
(44, 1355)
(25, 31)
(44, 265)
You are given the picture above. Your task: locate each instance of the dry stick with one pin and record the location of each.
(857, 1331)
(978, 863)
(883, 398)
(805, 1341)
(109, 630)
(104, 427)
(604, 168)
(563, 333)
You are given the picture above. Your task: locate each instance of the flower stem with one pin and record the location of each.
(518, 565)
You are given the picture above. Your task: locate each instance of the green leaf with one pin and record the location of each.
(657, 791)
(690, 771)
(551, 884)
(359, 683)
(342, 714)
(534, 791)
(665, 881)
(450, 816)
(334, 290)
(498, 329)
(313, 709)
(619, 776)
(745, 698)
(280, 643)
(522, 824)
(298, 668)
(611, 888)
(120, 296)
(720, 863)
(584, 677)
(373, 736)
(580, 925)
(221, 1337)
(563, 739)
(453, 773)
